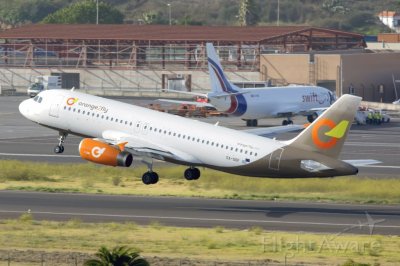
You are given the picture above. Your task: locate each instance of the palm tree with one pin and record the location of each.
(118, 256)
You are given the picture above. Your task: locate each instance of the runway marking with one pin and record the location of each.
(195, 219)
(38, 155)
(373, 144)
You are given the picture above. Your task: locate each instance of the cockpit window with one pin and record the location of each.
(36, 98)
(40, 99)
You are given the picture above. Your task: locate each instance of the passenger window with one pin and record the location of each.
(83, 112)
(106, 117)
(212, 143)
(73, 110)
(98, 115)
(79, 110)
(102, 117)
(130, 123)
(112, 118)
(121, 121)
(116, 120)
(208, 142)
(69, 108)
(65, 107)
(255, 154)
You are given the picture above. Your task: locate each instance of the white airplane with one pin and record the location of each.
(115, 132)
(252, 104)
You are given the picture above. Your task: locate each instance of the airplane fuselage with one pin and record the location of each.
(257, 103)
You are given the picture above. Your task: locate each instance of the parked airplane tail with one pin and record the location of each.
(219, 82)
(327, 134)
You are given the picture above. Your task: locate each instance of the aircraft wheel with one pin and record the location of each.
(255, 122)
(312, 117)
(196, 173)
(284, 122)
(149, 178)
(58, 149)
(192, 174)
(248, 123)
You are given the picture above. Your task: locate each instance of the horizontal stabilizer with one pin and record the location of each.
(360, 163)
(197, 104)
(273, 131)
(226, 94)
(188, 93)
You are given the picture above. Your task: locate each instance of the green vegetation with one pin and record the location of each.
(91, 178)
(197, 243)
(84, 12)
(358, 16)
(122, 256)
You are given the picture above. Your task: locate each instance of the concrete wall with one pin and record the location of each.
(366, 72)
(363, 72)
(285, 68)
(106, 81)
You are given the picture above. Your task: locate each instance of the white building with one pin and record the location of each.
(390, 19)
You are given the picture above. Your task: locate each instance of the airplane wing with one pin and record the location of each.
(197, 104)
(273, 131)
(144, 148)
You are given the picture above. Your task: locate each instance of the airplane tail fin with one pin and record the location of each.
(219, 82)
(327, 134)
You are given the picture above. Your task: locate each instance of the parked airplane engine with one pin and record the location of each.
(102, 153)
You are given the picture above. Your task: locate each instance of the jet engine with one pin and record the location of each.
(102, 153)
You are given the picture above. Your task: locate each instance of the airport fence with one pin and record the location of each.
(40, 258)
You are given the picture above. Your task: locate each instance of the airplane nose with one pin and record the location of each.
(24, 108)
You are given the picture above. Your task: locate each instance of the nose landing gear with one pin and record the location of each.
(61, 139)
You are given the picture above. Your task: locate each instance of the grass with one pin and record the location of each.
(210, 244)
(91, 178)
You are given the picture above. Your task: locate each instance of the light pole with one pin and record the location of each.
(169, 7)
(97, 12)
(277, 17)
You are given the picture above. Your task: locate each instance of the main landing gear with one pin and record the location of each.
(151, 177)
(192, 173)
(287, 122)
(252, 122)
(61, 139)
(312, 117)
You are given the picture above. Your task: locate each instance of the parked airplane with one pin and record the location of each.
(115, 132)
(251, 104)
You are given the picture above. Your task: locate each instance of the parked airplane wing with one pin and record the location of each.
(273, 131)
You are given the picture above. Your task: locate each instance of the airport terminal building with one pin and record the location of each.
(142, 59)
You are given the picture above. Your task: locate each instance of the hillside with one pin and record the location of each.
(351, 15)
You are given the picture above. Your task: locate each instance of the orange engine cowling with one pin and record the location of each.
(102, 153)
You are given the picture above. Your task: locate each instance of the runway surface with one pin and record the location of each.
(194, 212)
(23, 140)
